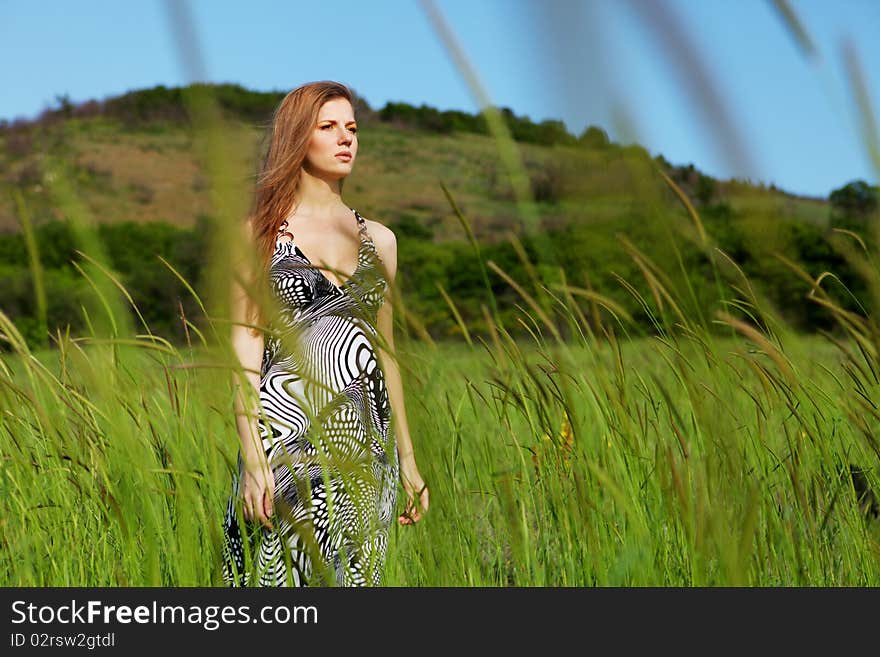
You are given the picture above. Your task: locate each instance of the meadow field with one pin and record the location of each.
(683, 459)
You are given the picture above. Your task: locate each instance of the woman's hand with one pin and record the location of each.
(258, 491)
(416, 492)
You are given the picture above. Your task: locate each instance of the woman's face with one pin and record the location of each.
(334, 134)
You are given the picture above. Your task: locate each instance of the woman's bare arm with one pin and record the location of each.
(385, 321)
(249, 352)
(258, 482)
(414, 485)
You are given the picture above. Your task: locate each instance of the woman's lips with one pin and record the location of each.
(344, 156)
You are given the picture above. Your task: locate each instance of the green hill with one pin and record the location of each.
(132, 162)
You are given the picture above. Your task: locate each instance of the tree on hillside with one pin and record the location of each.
(854, 206)
(594, 137)
(705, 189)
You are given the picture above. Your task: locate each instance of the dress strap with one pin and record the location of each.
(363, 224)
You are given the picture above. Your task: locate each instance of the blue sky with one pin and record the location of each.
(789, 119)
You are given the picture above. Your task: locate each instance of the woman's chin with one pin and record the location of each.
(337, 173)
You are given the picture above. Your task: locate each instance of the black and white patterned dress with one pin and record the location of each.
(327, 433)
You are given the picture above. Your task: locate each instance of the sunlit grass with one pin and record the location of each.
(690, 461)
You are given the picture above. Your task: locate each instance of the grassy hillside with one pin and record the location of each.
(592, 213)
(150, 172)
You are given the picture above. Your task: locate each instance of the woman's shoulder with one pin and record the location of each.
(383, 237)
(385, 243)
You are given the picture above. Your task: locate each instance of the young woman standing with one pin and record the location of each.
(321, 419)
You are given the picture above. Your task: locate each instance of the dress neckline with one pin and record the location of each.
(362, 232)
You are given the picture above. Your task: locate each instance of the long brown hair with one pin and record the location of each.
(278, 180)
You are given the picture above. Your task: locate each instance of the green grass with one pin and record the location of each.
(692, 462)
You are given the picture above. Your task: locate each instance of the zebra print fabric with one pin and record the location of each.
(326, 430)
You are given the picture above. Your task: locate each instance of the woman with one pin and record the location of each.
(319, 459)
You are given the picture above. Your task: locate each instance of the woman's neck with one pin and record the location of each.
(317, 197)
